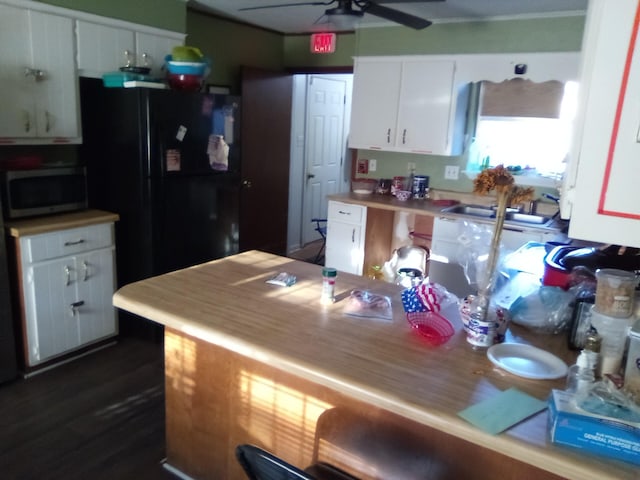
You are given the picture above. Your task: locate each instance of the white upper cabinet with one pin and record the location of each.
(105, 48)
(38, 82)
(600, 193)
(405, 105)
(374, 107)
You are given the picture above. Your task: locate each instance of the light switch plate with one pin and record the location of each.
(451, 172)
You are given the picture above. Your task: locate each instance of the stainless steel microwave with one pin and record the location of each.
(44, 191)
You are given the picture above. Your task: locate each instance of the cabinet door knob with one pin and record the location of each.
(27, 121)
(73, 307)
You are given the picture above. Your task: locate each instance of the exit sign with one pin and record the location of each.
(323, 42)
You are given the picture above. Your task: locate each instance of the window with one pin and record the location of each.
(526, 126)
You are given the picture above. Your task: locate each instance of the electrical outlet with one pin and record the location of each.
(411, 167)
(451, 172)
(373, 164)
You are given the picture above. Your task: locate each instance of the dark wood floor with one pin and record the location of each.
(98, 417)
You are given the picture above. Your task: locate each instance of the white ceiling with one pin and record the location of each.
(305, 19)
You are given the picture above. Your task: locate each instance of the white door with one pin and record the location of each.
(324, 149)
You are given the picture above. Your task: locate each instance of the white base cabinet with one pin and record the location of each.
(67, 280)
(446, 246)
(346, 225)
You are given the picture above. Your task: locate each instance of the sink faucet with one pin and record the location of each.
(533, 207)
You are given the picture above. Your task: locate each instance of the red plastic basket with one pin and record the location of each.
(432, 326)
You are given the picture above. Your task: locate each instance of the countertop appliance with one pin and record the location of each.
(42, 191)
(168, 162)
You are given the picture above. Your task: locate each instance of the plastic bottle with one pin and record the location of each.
(328, 295)
(580, 375)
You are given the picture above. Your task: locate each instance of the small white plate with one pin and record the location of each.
(527, 361)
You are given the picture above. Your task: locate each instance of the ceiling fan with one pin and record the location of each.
(344, 15)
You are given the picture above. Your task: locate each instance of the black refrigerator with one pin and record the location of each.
(168, 162)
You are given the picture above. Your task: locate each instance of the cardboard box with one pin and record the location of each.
(592, 433)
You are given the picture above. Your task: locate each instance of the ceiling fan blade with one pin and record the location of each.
(396, 16)
(286, 5)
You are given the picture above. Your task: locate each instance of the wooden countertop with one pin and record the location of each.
(430, 208)
(227, 303)
(63, 221)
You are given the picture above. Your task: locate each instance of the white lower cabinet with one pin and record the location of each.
(447, 247)
(68, 280)
(346, 225)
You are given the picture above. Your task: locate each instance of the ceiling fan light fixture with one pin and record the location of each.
(344, 18)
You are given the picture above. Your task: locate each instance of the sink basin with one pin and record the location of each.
(527, 218)
(473, 210)
(489, 212)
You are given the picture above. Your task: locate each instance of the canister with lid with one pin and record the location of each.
(615, 292)
(420, 188)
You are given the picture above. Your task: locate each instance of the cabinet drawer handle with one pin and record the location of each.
(74, 306)
(342, 212)
(76, 242)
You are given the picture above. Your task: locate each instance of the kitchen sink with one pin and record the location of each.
(473, 210)
(512, 215)
(527, 218)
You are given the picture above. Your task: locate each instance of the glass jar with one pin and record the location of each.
(328, 295)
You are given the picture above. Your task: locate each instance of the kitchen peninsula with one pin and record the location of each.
(251, 362)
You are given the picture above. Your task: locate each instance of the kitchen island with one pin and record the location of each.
(251, 362)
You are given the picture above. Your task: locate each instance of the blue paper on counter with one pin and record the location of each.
(498, 413)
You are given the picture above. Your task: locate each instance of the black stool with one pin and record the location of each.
(321, 228)
(259, 464)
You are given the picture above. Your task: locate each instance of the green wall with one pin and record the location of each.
(165, 14)
(531, 35)
(231, 45)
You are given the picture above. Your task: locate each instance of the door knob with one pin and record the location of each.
(246, 183)
(310, 176)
